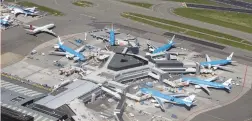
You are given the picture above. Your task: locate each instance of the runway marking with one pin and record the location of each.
(87, 15)
(55, 1)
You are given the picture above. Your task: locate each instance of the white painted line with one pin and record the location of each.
(11, 86)
(24, 111)
(18, 90)
(34, 115)
(45, 119)
(14, 108)
(4, 82)
(29, 113)
(38, 118)
(25, 91)
(4, 85)
(15, 88)
(35, 94)
(29, 93)
(4, 104)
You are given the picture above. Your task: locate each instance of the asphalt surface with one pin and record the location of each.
(79, 19)
(240, 110)
(166, 9)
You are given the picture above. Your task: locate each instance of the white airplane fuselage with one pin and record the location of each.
(46, 26)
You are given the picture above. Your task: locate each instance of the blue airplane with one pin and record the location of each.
(163, 48)
(162, 98)
(217, 63)
(5, 21)
(205, 83)
(26, 11)
(68, 52)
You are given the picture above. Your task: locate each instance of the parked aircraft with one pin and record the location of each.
(33, 30)
(163, 48)
(205, 83)
(32, 9)
(162, 98)
(128, 41)
(217, 63)
(26, 11)
(68, 52)
(5, 20)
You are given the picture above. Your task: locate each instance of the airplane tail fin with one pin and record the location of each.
(230, 56)
(207, 58)
(189, 100)
(59, 41)
(171, 41)
(228, 84)
(150, 47)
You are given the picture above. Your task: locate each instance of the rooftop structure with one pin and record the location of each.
(74, 90)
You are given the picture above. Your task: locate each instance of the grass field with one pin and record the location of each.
(247, 0)
(233, 20)
(140, 4)
(41, 8)
(190, 30)
(207, 2)
(83, 3)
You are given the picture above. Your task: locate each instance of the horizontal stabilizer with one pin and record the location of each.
(189, 100)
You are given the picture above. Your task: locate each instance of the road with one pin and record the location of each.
(78, 19)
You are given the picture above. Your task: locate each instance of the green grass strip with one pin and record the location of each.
(189, 32)
(41, 8)
(140, 4)
(186, 26)
(83, 3)
(207, 2)
(219, 40)
(233, 20)
(170, 28)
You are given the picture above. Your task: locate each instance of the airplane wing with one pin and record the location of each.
(57, 53)
(160, 103)
(212, 78)
(179, 95)
(222, 68)
(205, 88)
(80, 48)
(30, 31)
(69, 55)
(47, 30)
